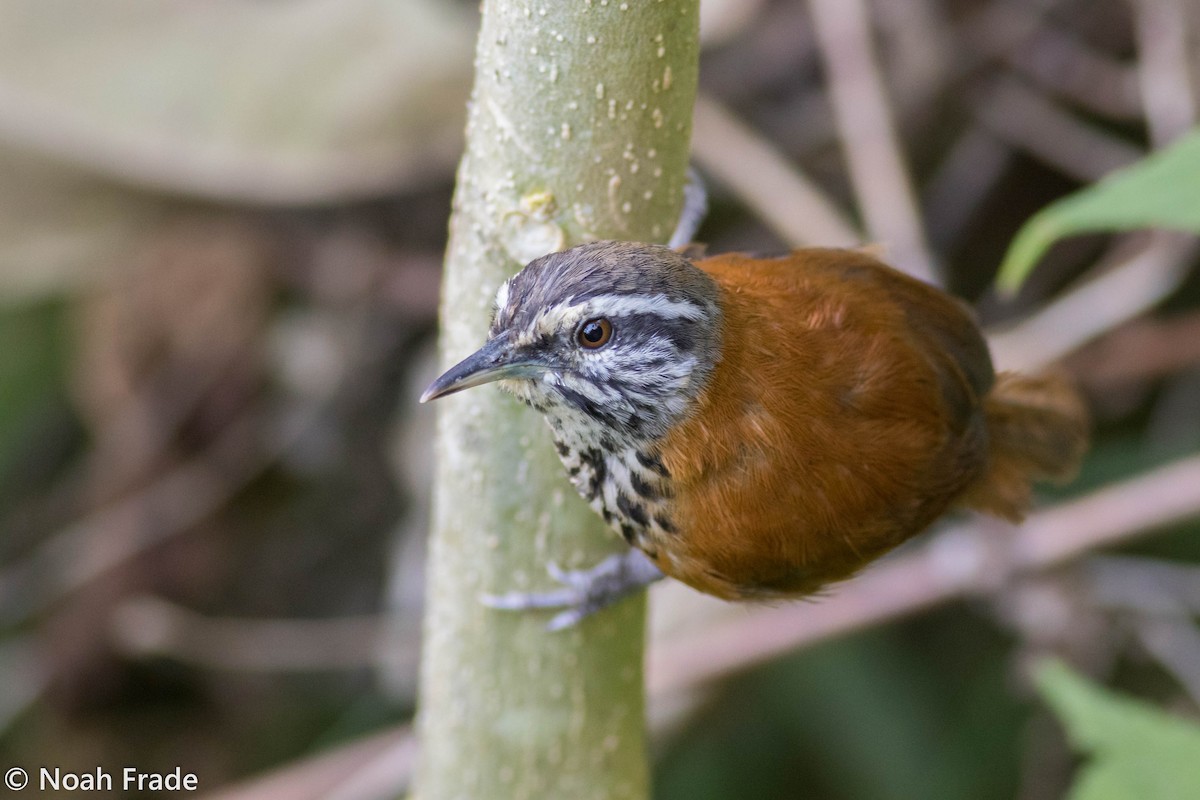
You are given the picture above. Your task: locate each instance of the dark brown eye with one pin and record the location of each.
(594, 333)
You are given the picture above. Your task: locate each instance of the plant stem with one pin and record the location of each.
(578, 129)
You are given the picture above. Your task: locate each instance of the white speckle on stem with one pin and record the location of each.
(615, 207)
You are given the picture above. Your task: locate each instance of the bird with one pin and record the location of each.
(760, 427)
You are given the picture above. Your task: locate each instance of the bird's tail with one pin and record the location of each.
(1038, 430)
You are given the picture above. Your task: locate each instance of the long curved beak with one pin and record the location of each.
(495, 361)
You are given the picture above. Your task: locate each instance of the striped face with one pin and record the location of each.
(624, 337)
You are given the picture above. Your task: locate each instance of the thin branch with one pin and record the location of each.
(1108, 516)
(1000, 29)
(919, 55)
(1103, 302)
(963, 181)
(1146, 586)
(1028, 120)
(336, 773)
(1175, 644)
(1166, 81)
(383, 776)
(873, 153)
(795, 208)
(1143, 350)
(1062, 64)
(1160, 596)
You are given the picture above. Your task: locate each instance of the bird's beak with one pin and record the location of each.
(496, 360)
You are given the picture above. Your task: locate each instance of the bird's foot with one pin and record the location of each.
(695, 208)
(583, 592)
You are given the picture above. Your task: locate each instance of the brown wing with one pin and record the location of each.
(842, 419)
(942, 326)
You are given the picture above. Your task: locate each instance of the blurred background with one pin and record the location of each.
(221, 228)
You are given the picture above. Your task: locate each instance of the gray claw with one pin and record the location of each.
(566, 619)
(582, 592)
(524, 601)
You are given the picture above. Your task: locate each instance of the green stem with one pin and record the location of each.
(579, 129)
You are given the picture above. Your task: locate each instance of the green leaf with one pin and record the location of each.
(1160, 191)
(1136, 751)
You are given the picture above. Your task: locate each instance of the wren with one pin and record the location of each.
(758, 428)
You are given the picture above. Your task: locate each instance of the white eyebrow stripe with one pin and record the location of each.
(619, 305)
(502, 295)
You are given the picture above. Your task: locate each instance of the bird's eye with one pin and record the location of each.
(594, 333)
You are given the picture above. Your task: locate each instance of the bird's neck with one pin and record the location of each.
(624, 481)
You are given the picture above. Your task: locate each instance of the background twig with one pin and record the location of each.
(873, 152)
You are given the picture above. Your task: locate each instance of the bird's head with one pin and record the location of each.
(612, 337)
